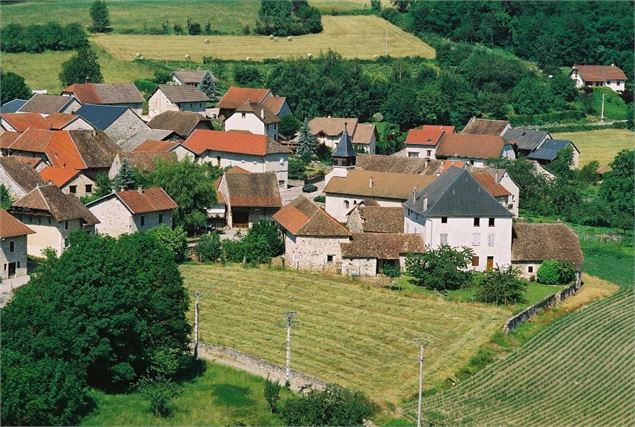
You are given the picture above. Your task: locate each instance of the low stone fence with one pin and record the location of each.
(525, 315)
(256, 366)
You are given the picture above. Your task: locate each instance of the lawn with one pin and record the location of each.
(614, 105)
(41, 69)
(601, 145)
(220, 396)
(351, 36)
(346, 332)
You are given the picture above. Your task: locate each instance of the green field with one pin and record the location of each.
(220, 396)
(351, 36)
(614, 105)
(601, 145)
(347, 332)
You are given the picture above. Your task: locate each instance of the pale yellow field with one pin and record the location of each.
(351, 36)
(601, 145)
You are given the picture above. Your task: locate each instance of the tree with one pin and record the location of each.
(81, 68)
(442, 268)
(501, 285)
(208, 87)
(13, 87)
(333, 406)
(264, 241)
(531, 96)
(173, 239)
(289, 125)
(401, 5)
(306, 143)
(287, 17)
(5, 197)
(272, 393)
(247, 75)
(399, 108)
(99, 16)
(127, 178)
(208, 247)
(616, 191)
(193, 28)
(159, 392)
(555, 272)
(588, 174)
(190, 185)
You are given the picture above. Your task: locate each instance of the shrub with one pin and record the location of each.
(272, 394)
(146, 86)
(392, 270)
(566, 272)
(501, 285)
(320, 199)
(99, 16)
(297, 169)
(194, 28)
(246, 75)
(209, 247)
(173, 239)
(267, 232)
(441, 269)
(232, 250)
(159, 392)
(162, 76)
(554, 272)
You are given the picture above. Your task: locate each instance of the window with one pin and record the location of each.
(281, 161)
(217, 160)
(475, 261)
(329, 258)
(72, 189)
(65, 225)
(429, 153)
(346, 204)
(477, 222)
(491, 222)
(11, 246)
(490, 262)
(143, 220)
(444, 238)
(490, 239)
(413, 154)
(244, 115)
(39, 220)
(160, 218)
(89, 188)
(444, 220)
(18, 264)
(476, 239)
(530, 269)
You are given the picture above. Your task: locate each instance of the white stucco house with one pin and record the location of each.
(599, 76)
(255, 118)
(423, 142)
(254, 153)
(177, 98)
(455, 210)
(13, 246)
(129, 211)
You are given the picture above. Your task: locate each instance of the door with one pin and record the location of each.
(240, 218)
(490, 262)
(11, 269)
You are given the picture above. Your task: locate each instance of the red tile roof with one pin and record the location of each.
(488, 182)
(22, 121)
(303, 217)
(274, 103)
(11, 227)
(85, 93)
(33, 141)
(147, 200)
(229, 142)
(7, 138)
(600, 73)
(428, 134)
(62, 151)
(237, 96)
(154, 146)
(57, 121)
(58, 176)
(470, 146)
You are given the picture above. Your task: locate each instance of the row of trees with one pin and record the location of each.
(288, 18)
(40, 37)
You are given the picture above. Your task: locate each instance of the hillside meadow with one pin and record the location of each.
(601, 145)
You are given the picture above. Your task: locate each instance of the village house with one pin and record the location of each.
(255, 118)
(177, 148)
(177, 98)
(534, 243)
(367, 254)
(70, 181)
(148, 134)
(119, 94)
(500, 186)
(53, 216)
(142, 161)
(423, 142)
(20, 122)
(548, 150)
(311, 236)
(474, 150)
(397, 164)
(599, 76)
(525, 140)
(238, 96)
(476, 126)
(254, 153)
(119, 123)
(18, 177)
(49, 104)
(368, 217)
(278, 105)
(455, 210)
(129, 211)
(329, 130)
(65, 121)
(188, 77)
(249, 197)
(182, 123)
(13, 246)
(12, 106)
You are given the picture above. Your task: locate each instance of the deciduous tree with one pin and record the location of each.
(13, 87)
(99, 16)
(81, 68)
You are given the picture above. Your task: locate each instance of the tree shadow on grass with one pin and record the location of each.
(231, 395)
(193, 369)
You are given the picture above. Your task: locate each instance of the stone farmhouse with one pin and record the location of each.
(369, 217)
(177, 98)
(455, 210)
(53, 216)
(366, 254)
(525, 140)
(423, 142)
(477, 126)
(599, 76)
(119, 94)
(329, 131)
(13, 246)
(253, 117)
(18, 177)
(69, 180)
(182, 123)
(118, 122)
(239, 96)
(49, 104)
(254, 153)
(129, 211)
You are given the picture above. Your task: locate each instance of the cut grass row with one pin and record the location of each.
(346, 332)
(601, 145)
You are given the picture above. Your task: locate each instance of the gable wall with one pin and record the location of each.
(125, 126)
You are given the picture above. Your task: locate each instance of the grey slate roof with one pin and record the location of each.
(12, 106)
(456, 194)
(143, 135)
(344, 146)
(182, 93)
(525, 139)
(46, 104)
(101, 116)
(549, 149)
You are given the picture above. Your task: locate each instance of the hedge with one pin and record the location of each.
(38, 38)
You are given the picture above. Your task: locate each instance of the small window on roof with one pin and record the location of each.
(444, 220)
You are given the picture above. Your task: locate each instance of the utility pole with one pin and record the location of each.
(422, 348)
(196, 327)
(386, 38)
(602, 113)
(287, 372)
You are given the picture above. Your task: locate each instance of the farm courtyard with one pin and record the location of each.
(347, 332)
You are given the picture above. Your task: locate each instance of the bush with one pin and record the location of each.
(173, 239)
(555, 272)
(391, 270)
(162, 76)
(441, 269)
(232, 250)
(159, 392)
(297, 169)
(194, 28)
(272, 394)
(146, 86)
(247, 75)
(501, 285)
(209, 247)
(320, 199)
(269, 233)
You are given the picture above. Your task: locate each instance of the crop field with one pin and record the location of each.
(601, 145)
(346, 332)
(577, 371)
(351, 36)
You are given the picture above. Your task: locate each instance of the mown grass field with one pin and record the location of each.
(220, 396)
(351, 36)
(346, 332)
(601, 145)
(41, 70)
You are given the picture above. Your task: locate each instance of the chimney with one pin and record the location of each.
(140, 189)
(49, 182)
(414, 194)
(122, 188)
(370, 182)
(425, 204)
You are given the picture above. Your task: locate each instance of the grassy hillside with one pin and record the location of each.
(351, 36)
(601, 145)
(346, 332)
(220, 396)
